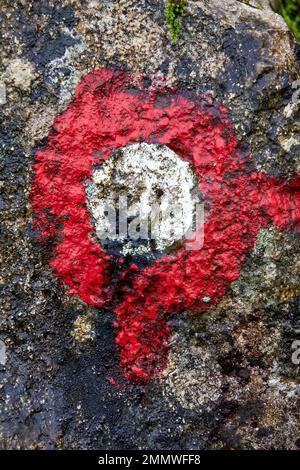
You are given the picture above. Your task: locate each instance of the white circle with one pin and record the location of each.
(161, 193)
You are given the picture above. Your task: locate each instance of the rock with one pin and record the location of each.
(20, 73)
(230, 380)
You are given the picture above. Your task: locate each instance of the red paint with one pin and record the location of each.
(107, 113)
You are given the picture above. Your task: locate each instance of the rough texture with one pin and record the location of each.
(236, 359)
(138, 180)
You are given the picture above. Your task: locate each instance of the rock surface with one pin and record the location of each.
(233, 376)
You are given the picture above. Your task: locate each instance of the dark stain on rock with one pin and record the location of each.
(242, 50)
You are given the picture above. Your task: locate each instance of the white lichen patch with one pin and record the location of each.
(193, 376)
(289, 142)
(20, 73)
(145, 191)
(83, 329)
(55, 75)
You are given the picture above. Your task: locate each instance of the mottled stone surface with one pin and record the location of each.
(231, 381)
(149, 177)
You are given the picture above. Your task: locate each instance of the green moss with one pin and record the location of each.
(290, 10)
(175, 9)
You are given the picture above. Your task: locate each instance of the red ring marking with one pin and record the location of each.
(107, 113)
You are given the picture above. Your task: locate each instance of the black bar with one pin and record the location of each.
(134, 459)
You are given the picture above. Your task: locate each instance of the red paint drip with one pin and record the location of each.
(108, 113)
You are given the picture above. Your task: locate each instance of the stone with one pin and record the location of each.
(21, 73)
(232, 375)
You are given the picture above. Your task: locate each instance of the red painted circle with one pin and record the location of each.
(112, 109)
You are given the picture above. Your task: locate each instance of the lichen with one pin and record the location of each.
(83, 329)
